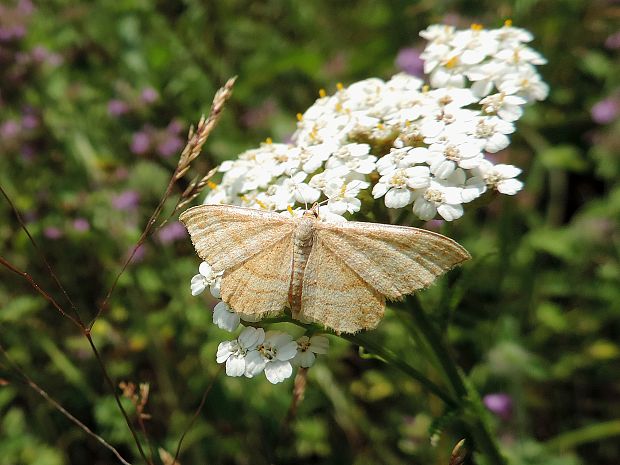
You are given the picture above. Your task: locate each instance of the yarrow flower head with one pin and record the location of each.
(307, 347)
(206, 278)
(404, 142)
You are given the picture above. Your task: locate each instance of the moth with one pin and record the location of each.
(336, 274)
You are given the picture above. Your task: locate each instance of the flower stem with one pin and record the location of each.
(458, 385)
(379, 352)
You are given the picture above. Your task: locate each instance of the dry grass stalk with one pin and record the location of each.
(195, 188)
(197, 137)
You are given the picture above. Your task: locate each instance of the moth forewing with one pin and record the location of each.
(259, 286)
(224, 235)
(393, 260)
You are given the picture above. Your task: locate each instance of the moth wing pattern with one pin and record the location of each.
(393, 260)
(225, 235)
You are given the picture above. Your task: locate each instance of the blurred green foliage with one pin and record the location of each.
(95, 101)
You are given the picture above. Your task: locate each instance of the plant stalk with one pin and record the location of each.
(457, 384)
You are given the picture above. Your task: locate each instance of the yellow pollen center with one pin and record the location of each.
(269, 140)
(508, 23)
(452, 62)
(322, 93)
(452, 153)
(339, 86)
(300, 116)
(433, 195)
(477, 27)
(211, 184)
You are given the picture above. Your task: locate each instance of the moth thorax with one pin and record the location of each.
(304, 231)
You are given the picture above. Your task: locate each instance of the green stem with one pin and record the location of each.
(589, 433)
(383, 354)
(391, 359)
(458, 387)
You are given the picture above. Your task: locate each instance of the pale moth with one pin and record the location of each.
(335, 274)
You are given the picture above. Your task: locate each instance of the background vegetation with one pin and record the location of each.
(95, 102)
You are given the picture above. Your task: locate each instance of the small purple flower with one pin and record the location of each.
(613, 41)
(81, 224)
(605, 111)
(30, 121)
(257, 117)
(171, 232)
(117, 107)
(27, 152)
(149, 95)
(175, 127)
(40, 54)
(434, 225)
(10, 33)
(25, 7)
(138, 255)
(121, 173)
(140, 143)
(169, 146)
(499, 403)
(127, 200)
(409, 61)
(9, 129)
(52, 232)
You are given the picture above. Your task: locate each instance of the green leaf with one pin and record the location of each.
(567, 157)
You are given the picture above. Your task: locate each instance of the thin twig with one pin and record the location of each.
(141, 240)
(85, 331)
(41, 291)
(41, 255)
(196, 140)
(116, 397)
(39, 390)
(196, 413)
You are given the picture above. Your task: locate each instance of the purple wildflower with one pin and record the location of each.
(171, 232)
(175, 126)
(500, 404)
(25, 7)
(138, 255)
(613, 41)
(605, 111)
(9, 129)
(30, 121)
(149, 95)
(52, 232)
(409, 61)
(169, 146)
(81, 224)
(140, 143)
(117, 107)
(257, 117)
(127, 200)
(434, 225)
(27, 152)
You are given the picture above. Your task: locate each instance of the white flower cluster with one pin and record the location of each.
(412, 143)
(407, 142)
(255, 351)
(495, 59)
